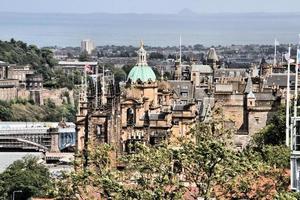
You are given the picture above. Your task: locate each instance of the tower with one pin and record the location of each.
(142, 55)
(141, 72)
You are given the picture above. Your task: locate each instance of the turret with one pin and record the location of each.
(212, 58)
(249, 92)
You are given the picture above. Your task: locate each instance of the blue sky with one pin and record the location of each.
(148, 6)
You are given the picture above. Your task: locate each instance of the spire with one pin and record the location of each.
(249, 88)
(249, 85)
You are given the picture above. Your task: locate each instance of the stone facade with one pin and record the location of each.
(146, 111)
(150, 111)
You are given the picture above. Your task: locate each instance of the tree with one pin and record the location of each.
(127, 68)
(153, 173)
(209, 161)
(25, 175)
(96, 181)
(156, 55)
(84, 56)
(268, 144)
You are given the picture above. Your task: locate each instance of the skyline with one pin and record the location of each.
(150, 7)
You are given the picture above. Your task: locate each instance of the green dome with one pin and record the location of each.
(141, 72)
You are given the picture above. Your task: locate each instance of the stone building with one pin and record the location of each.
(34, 84)
(8, 89)
(149, 111)
(70, 67)
(19, 73)
(146, 111)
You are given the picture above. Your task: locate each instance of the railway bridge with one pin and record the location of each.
(37, 136)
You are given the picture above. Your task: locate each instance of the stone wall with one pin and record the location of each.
(257, 119)
(233, 108)
(57, 95)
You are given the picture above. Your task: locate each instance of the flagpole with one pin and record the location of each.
(85, 82)
(180, 50)
(287, 114)
(275, 49)
(96, 99)
(103, 85)
(296, 85)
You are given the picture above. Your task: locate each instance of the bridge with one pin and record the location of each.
(37, 136)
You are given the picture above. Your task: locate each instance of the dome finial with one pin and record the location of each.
(142, 44)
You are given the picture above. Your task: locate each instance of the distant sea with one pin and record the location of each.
(156, 30)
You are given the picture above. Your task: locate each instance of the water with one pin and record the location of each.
(7, 158)
(155, 30)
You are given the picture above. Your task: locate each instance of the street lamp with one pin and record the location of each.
(20, 191)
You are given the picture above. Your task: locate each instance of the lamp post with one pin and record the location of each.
(20, 191)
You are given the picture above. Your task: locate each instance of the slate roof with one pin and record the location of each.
(279, 79)
(249, 85)
(181, 107)
(157, 116)
(205, 69)
(231, 73)
(264, 97)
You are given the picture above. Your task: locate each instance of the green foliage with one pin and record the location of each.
(211, 161)
(5, 111)
(167, 75)
(24, 110)
(84, 56)
(278, 156)
(288, 196)
(274, 132)
(98, 180)
(57, 113)
(25, 175)
(205, 158)
(18, 52)
(58, 79)
(127, 68)
(153, 174)
(268, 144)
(156, 55)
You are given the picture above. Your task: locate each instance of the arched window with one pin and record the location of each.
(130, 117)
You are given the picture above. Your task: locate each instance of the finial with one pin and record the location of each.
(142, 43)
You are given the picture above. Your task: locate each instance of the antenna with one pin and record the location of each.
(275, 52)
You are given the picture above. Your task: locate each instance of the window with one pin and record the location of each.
(184, 94)
(101, 134)
(256, 119)
(185, 87)
(176, 122)
(130, 117)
